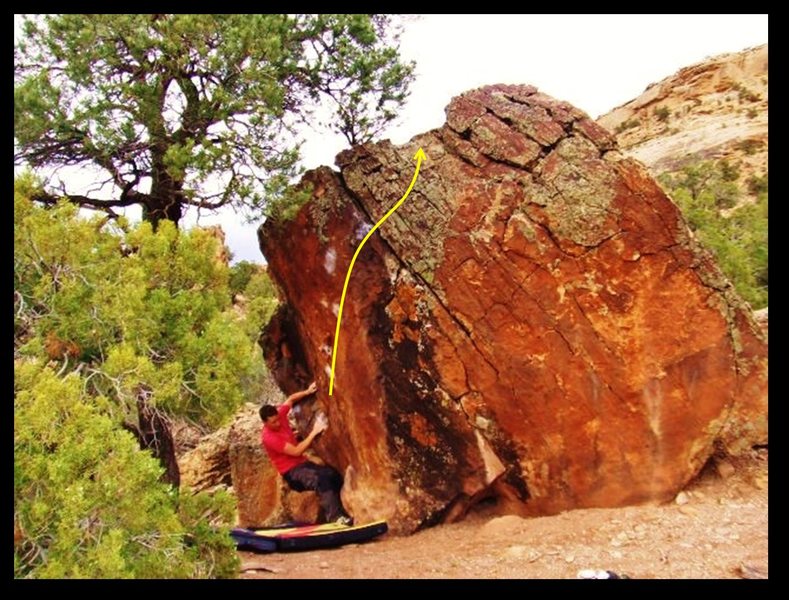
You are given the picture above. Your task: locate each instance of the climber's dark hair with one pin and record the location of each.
(267, 411)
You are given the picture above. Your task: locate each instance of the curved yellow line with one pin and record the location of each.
(419, 156)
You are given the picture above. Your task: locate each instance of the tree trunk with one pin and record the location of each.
(158, 209)
(166, 199)
(154, 435)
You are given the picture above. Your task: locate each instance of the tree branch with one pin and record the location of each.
(48, 199)
(206, 203)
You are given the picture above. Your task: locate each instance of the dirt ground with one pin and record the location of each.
(715, 528)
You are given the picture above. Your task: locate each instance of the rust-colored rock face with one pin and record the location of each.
(535, 322)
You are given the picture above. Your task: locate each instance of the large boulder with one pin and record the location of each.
(535, 322)
(207, 465)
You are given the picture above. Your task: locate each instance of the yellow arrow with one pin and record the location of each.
(419, 156)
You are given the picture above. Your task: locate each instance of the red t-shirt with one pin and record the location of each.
(274, 443)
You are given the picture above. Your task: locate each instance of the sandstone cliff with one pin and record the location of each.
(716, 109)
(534, 323)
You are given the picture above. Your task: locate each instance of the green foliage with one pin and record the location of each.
(285, 206)
(757, 184)
(717, 179)
(206, 518)
(111, 308)
(161, 316)
(737, 236)
(349, 65)
(240, 273)
(262, 301)
(662, 113)
(87, 501)
(59, 263)
(728, 171)
(750, 146)
(744, 94)
(627, 124)
(185, 100)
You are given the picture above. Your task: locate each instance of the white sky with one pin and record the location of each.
(596, 62)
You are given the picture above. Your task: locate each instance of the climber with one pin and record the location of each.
(287, 456)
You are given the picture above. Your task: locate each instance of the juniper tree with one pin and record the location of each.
(196, 110)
